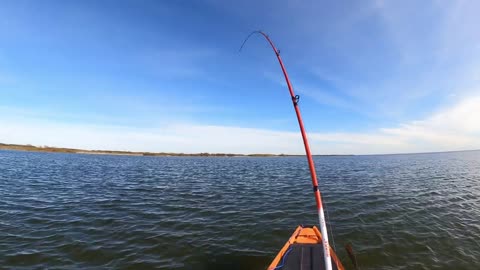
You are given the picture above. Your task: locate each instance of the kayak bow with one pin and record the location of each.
(304, 251)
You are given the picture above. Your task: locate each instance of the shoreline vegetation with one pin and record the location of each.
(50, 149)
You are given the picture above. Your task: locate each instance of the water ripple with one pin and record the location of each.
(67, 211)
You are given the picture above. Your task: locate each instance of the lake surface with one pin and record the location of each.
(73, 211)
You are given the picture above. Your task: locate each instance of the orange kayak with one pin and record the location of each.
(304, 250)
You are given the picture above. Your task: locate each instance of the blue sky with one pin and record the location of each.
(373, 76)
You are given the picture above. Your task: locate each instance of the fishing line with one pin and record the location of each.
(330, 225)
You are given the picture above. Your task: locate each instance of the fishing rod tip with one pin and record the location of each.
(246, 39)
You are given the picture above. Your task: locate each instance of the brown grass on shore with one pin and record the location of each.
(33, 148)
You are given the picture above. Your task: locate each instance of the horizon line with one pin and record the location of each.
(55, 149)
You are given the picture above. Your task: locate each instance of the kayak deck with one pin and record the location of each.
(304, 250)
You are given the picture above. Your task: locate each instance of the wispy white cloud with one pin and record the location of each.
(389, 57)
(315, 93)
(324, 97)
(454, 128)
(434, 49)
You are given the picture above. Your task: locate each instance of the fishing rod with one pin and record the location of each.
(311, 165)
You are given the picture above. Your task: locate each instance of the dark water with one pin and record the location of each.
(66, 211)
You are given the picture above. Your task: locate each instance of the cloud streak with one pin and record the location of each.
(389, 58)
(454, 128)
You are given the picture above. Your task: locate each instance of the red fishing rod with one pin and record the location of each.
(311, 165)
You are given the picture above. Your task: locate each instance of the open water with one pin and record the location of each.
(74, 211)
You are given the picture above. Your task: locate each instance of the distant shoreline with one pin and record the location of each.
(50, 149)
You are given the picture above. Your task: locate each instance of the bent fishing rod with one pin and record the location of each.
(311, 165)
